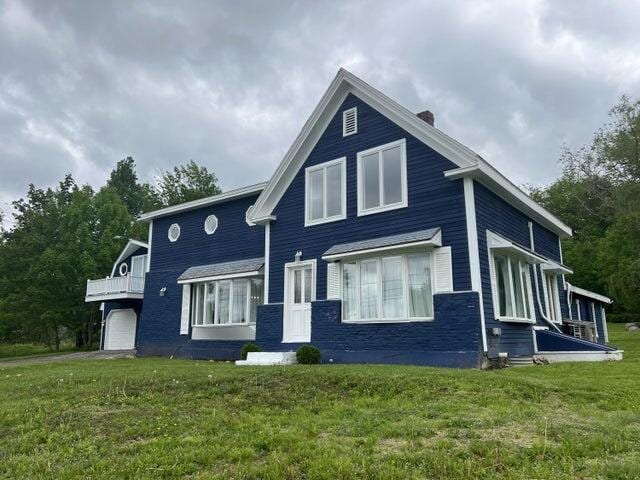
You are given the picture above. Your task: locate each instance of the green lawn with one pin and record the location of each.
(161, 418)
(30, 350)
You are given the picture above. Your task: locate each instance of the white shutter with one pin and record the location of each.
(333, 281)
(443, 270)
(186, 303)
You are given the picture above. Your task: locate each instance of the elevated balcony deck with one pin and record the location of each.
(115, 288)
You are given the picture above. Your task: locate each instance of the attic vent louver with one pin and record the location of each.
(350, 122)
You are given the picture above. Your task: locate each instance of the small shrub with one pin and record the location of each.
(249, 347)
(308, 355)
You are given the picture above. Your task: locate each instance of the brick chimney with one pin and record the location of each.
(427, 116)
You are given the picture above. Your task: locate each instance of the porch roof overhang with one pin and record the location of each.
(220, 271)
(499, 243)
(588, 294)
(430, 237)
(555, 267)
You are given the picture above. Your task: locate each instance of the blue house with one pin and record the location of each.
(378, 239)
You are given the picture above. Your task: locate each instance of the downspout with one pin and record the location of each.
(535, 279)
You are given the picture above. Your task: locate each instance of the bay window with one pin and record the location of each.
(226, 302)
(393, 288)
(325, 192)
(513, 287)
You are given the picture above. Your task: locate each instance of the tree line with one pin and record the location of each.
(62, 236)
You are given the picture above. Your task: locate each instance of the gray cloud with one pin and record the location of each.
(229, 84)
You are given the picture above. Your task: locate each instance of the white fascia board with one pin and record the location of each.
(589, 294)
(343, 84)
(113, 296)
(132, 246)
(556, 268)
(434, 242)
(203, 202)
(220, 277)
(498, 183)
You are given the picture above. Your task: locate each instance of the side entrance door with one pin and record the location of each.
(299, 292)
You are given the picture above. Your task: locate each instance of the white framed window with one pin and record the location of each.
(513, 300)
(552, 297)
(382, 178)
(326, 192)
(124, 269)
(211, 224)
(174, 232)
(350, 122)
(396, 288)
(226, 302)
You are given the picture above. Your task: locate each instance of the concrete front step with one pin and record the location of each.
(269, 358)
(521, 361)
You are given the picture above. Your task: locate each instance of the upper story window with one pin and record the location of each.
(387, 289)
(382, 178)
(174, 232)
(211, 224)
(326, 192)
(349, 122)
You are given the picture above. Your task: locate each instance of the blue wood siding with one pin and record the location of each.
(233, 240)
(495, 214)
(433, 201)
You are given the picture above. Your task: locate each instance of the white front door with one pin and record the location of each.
(299, 292)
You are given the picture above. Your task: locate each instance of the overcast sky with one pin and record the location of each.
(229, 84)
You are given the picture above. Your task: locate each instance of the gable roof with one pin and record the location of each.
(203, 202)
(468, 162)
(131, 246)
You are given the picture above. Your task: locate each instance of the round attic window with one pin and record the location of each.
(211, 224)
(174, 232)
(124, 269)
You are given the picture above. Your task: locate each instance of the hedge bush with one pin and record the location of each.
(249, 347)
(308, 355)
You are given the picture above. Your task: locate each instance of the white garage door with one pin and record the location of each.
(121, 330)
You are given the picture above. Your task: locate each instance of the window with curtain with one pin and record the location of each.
(513, 285)
(226, 302)
(393, 288)
(553, 298)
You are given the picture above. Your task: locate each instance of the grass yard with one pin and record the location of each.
(30, 350)
(161, 418)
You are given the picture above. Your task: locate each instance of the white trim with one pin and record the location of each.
(114, 296)
(581, 356)
(211, 229)
(498, 183)
(106, 324)
(345, 83)
(436, 241)
(595, 320)
(495, 241)
(204, 202)
(343, 192)
(267, 251)
(149, 245)
(578, 309)
(229, 276)
(587, 293)
(402, 143)
(130, 247)
(353, 110)
(126, 269)
(564, 281)
(604, 324)
(173, 226)
(474, 252)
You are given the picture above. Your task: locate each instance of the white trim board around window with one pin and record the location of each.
(551, 296)
(389, 289)
(382, 178)
(325, 198)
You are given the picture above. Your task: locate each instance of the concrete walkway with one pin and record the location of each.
(65, 357)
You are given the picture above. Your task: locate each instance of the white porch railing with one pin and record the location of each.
(114, 285)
